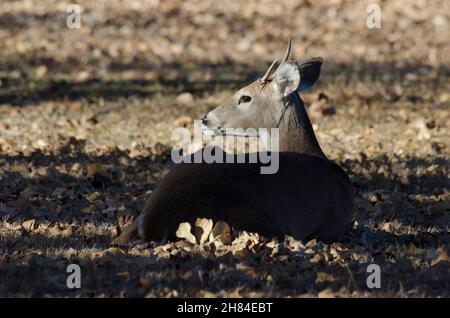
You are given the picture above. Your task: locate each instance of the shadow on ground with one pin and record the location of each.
(34, 186)
(201, 79)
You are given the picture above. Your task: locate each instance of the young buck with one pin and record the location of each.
(309, 196)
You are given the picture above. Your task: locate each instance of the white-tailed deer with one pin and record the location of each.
(309, 196)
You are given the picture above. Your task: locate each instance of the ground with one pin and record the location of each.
(85, 122)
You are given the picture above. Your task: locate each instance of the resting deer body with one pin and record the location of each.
(309, 196)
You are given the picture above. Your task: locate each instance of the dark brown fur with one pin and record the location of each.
(239, 195)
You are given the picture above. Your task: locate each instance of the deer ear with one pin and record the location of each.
(309, 72)
(287, 78)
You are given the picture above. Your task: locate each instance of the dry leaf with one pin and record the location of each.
(89, 209)
(54, 230)
(162, 249)
(442, 256)
(29, 225)
(327, 293)
(386, 226)
(202, 229)
(220, 232)
(93, 196)
(183, 121)
(207, 294)
(311, 243)
(70, 252)
(94, 168)
(185, 99)
(316, 258)
(184, 232)
(412, 249)
(324, 277)
(294, 244)
(115, 251)
(424, 133)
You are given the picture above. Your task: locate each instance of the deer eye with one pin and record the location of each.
(244, 99)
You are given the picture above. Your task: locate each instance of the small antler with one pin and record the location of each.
(288, 51)
(285, 58)
(270, 72)
(266, 76)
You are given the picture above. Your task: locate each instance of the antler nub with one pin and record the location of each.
(288, 51)
(268, 76)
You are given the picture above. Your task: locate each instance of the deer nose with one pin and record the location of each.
(204, 120)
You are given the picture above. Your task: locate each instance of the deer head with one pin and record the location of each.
(272, 102)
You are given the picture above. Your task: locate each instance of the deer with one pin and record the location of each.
(310, 196)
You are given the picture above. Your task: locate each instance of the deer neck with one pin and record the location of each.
(296, 131)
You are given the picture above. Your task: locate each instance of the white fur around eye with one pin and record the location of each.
(287, 79)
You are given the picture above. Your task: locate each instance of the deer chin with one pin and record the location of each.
(238, 134)
(210, 131)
